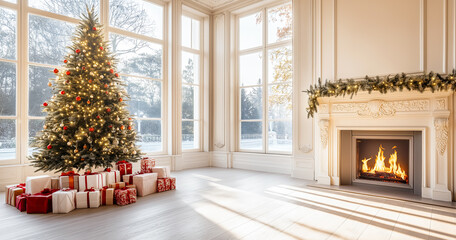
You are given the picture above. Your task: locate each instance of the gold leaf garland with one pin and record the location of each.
(399, 82)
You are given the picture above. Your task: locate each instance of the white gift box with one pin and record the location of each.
(64, 201)
(102, 181)
(36, 184)
(90, 181)
(145, 183)
(112, 177)
(163, 172)
(88, 199)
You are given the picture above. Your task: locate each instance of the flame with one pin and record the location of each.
(379, 166)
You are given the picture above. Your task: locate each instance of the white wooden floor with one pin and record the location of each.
(215, 203)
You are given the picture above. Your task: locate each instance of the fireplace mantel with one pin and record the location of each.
(427, 112)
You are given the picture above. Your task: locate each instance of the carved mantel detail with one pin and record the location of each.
(379, 108)
(441, 134)
(324, 127)
(440, 104)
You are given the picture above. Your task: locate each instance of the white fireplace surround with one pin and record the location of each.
(430, 113)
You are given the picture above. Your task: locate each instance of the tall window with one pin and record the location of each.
(265, 80)
(136, 35)
(191, 82)
(136, 31)
(8, 83)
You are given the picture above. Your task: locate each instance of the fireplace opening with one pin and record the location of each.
(384, 160)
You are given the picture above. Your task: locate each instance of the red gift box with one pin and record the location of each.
(40, 202)
(166, 184)
(125, 196)
(21, 202)
(147, 164)
(173, 183)
(124, 167)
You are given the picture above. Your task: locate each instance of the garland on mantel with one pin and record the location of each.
(385, 84)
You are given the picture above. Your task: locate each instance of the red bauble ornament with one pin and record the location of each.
(120, 99)
(101, 48)
(83, 68)
(68, 72)
(65, 127)
(109, 63)
(91, 129)
(98, 117)
(108, 110)
(106, 85)
(90, 80)
(111, 70)
(62, 92)
(65, 61)
(49, 146)
(129, 119)
(56, 70)
(110, 126)
(129, 127)
(45, 104)
(122, 127)
(78, 98)
(107, 92)
(78, 51)
(88, 101)
(94, 28)
(117, 75)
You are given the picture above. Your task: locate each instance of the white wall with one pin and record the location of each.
(334, 39)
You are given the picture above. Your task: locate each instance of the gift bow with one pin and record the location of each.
(108, 170)
(69, 173)
(90, 189)
(90, 173)
(46, 190)
(66, 189)
(105, 187)
(123, 161)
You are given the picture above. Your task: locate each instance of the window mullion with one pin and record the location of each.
(22, 82)
(265, 83)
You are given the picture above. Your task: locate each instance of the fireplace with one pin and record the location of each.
(383, 160)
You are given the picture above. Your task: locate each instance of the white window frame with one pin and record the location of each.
(200, 84)
(263, 49)
(22, 65)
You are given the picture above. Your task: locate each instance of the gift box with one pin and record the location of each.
(125, 196)
(147, 164)
(117, 185)
(89, 180)
(128, 178)
(112, 176)
(131, 186)
(163, 172)
(55, 182)
(40, 202)
(63, 201)
(37, 184)
(166, 184)
(88, 199)
(12, 191)
(145, 183)
(69, 180)
(102, 182)
(107, 196)
(21, 202)
(124, 167)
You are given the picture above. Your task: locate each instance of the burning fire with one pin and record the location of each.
(394, 168)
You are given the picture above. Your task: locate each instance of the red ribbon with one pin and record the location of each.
(90, 173)
(66, 189)
(108, 170)
(69, 173)
(88, 192)
(45, 191)
(120, 162)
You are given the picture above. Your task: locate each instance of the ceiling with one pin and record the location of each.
(215, 4)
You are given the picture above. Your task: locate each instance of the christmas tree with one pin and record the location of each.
(87, 123)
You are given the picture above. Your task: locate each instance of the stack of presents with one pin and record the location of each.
(64, 193)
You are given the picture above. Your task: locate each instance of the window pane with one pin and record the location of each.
(190, 68)
(137, 57)
(7, 139)
(145, 97)
(251, 135)
(35, 125)
(195, 34)
(137, 16)
(280, 136)
(8, 25)
(186, 32)
(7, 89)
(250, 69)
(280, 67)
(250, 31)
(65, 7)
(39, 91)
(190, 133)
(280, 23)
(150, 133)
(280, 101)
(251, 103)
(48, 39)
(190, 96)
(11, 1)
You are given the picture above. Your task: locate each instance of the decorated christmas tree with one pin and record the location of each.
(87, 123)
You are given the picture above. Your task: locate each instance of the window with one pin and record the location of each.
(191, 82)
(136, 31)
(265, 80)
(136, 35)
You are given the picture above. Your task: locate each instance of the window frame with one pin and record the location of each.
(200, 84)
(22, 61)
(264, 50)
